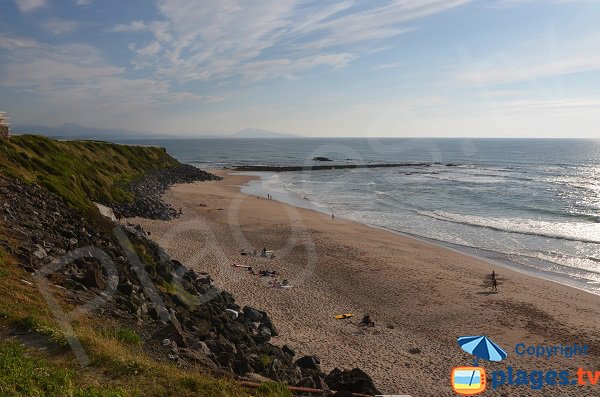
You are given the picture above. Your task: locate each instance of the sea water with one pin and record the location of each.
(531, 203)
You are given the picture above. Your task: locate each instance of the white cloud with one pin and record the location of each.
(133, 26)
(518, 71)
(516, 3)
(75, 79)
(389, 65)
(271, 38)
(568, 104)
(27, 6)
(12, 43)
(61, 26)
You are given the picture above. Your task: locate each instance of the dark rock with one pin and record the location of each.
(355, 381)
(93, 279)
(288, 350)
(309, 362)
(414, 350)
(240, 367)
(173, 332)
(197, 358)
(126, 288)
(263, 335)
(253, 314)
(321, 159)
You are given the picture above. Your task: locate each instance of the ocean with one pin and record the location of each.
(530, 204)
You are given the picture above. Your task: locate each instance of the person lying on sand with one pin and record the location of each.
(274, 284)
(267, 273)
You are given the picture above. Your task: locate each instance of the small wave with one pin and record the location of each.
(573, 231)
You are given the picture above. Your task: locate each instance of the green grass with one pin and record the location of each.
(22, 374)
(125, 335)
(273, 389)
(42, 327)
(80, 171)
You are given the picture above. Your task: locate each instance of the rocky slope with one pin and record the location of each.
(181, 316)
(147, 202)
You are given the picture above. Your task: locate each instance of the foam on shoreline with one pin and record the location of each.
(269, 182)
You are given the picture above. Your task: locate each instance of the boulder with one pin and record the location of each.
(309, 362)
(253, 314)
(355, 381)
(173, 332)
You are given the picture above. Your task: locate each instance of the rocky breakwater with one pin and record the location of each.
(148, 190)
(180, 314)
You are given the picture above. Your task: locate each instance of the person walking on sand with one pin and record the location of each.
(332, 217)
(494, 282)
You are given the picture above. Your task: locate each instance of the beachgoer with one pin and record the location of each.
(332, 217)
(494, 284)
(285, 282)
(264, 253)
(367, 322)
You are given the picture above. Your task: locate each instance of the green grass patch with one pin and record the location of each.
(125, 335)
(80, 171)
(24, 375)
(42, 327)
(265, 360)
(272, 389)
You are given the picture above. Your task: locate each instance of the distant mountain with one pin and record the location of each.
(75, 131)
(258, 133)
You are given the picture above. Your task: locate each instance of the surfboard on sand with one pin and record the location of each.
(343, 316)
(244, 266)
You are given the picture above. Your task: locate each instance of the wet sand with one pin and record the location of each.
(421, 296)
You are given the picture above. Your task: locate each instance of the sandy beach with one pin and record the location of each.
(421, 296)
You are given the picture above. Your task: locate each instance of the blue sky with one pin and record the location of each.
(494, 68)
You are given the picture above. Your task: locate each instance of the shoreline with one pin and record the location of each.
(421, 296)
(494, 259)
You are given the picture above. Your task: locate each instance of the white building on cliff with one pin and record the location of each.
(4, 126)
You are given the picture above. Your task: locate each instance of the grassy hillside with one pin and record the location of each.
(80, 170)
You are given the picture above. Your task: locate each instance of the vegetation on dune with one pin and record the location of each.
(80, 170)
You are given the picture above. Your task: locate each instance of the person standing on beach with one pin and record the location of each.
(332, 217)
(494, 282)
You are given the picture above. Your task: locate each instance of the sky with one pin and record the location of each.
(397, 68)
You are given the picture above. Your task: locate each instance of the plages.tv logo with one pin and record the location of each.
(471, 380)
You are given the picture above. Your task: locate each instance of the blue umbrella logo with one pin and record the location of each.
(482, 348)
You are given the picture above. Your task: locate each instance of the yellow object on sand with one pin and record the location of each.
(343, 316)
